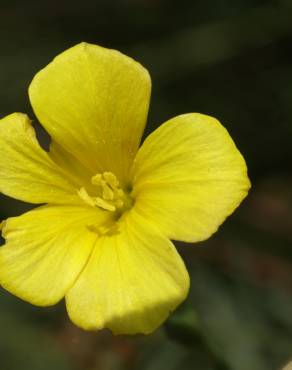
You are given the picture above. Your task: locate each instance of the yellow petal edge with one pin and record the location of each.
(27, 172)
(189, 176)
(94, 102)
(131, 283)
(45, 251)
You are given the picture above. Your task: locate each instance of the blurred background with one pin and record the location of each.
(231, 59)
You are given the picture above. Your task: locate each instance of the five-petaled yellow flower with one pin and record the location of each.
(101, 237)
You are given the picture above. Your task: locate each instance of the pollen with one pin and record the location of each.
(110, 195)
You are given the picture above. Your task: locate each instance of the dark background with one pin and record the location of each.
(228, 58)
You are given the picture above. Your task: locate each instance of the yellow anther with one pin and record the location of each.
(96, 179)
(119, 203)
(120, 193)
(111, 179)
(107, 192)
(111, 196)
(104, 204)
(108, 182)
(95, 201)
(86, 197)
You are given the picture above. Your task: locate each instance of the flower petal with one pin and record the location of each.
(82, 176)
(94, 102)
(26, 170)
(45, 251)
(189, 176)
(132, 282)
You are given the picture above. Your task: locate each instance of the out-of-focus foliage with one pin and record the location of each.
(227, 58)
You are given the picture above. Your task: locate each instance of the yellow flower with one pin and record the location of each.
(102, 239)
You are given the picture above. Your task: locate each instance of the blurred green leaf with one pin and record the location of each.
(24, 346)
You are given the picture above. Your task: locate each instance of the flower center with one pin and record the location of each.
(111, 196)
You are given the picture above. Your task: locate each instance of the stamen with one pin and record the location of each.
(96, 179)
(95, 201)
(107, 192)
(119, 203)
(111, 198)
(111, 179)
(120, 193)
(86, 197)
(104, 204)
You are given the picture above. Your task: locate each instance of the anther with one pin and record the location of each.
(95, 201)
(111, 196)
(86, 197)
(104, 204)
(111, 179)
(107, 192)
